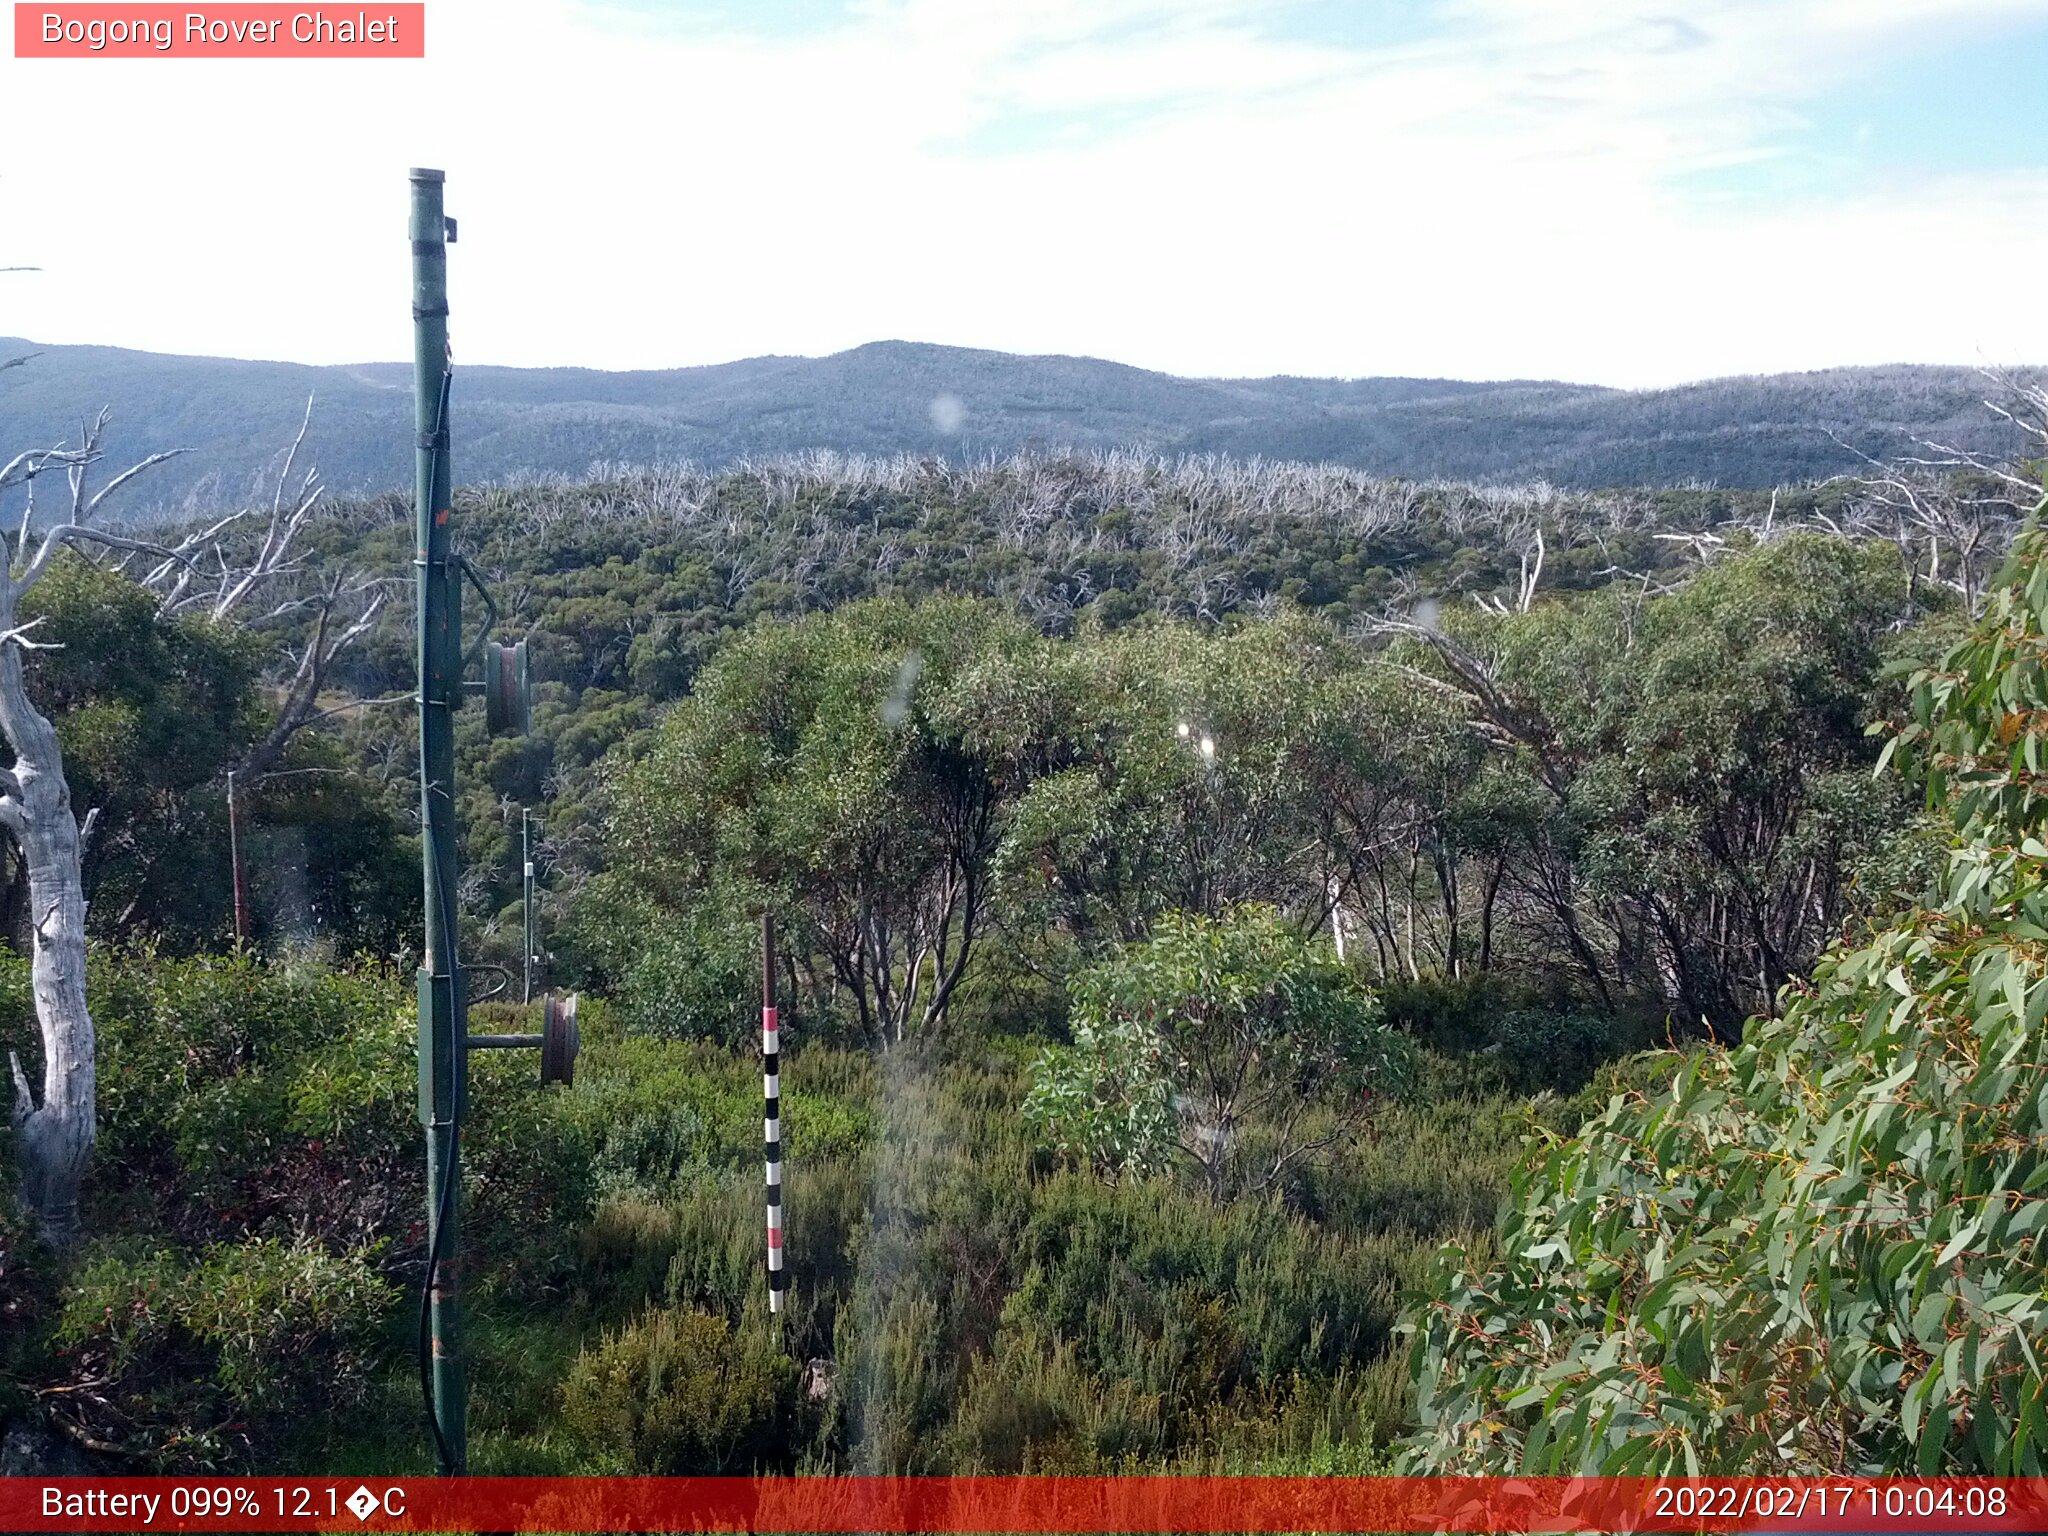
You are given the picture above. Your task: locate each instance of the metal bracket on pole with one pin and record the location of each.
(559, 1041)
(490, 607)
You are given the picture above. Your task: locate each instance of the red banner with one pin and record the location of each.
(1025, 1504)
(223, 31)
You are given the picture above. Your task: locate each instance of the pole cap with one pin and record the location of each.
(421, 173)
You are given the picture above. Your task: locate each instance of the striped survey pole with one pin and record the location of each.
(771, 1091)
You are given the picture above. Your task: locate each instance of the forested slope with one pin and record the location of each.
(961, 404)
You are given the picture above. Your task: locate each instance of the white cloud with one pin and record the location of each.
(1157, 182)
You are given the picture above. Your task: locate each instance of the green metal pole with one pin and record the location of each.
(526, 855)
(443, 1064)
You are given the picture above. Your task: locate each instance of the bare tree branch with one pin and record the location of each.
(349, 708)
(130, 473)
(18, 635)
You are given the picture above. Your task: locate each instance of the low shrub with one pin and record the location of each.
(1455, 1016)
(1558, 1050)
(657, 1112)
(683, 1393)
(1512, 1036)
(1202, 1045)
(204, 1358)
(28, 1279)
(1430, 1167)
(1129, 1270)
(1033, 1406)
(238, 1097)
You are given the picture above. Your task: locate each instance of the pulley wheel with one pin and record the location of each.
(559, 1039)
(508, 690)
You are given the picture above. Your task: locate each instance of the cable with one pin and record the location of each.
(441, 1450)
(448, 1178)
(448, 1168)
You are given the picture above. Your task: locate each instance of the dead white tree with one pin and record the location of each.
(1952, 512)
(208, 570)
(54, 1131)
(224, 570)
(1527, 538)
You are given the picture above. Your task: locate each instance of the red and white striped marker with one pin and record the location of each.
(771, 1124)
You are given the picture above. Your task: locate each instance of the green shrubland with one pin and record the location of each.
(1180, 1001)
(961, 1299)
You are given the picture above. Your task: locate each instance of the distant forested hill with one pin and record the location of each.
(900, 397)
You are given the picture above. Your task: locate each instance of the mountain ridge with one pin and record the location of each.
(236, 417)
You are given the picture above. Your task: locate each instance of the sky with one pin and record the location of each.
(1633, 195)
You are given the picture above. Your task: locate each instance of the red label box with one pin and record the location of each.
(1060, 1506)
(223, 31)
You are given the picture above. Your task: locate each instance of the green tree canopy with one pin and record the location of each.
(1216, 1040)
(148, 710)
(850, 772)
(1707, 774)
(152, 711)
(1821, 1251)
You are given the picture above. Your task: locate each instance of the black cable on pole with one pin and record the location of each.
(441, 1208)
(434, 1238)
(441, 1451)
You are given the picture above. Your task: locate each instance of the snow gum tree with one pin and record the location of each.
(53, 1128)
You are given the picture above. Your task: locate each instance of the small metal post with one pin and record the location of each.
(235, 862)
(526, 855)
(771, 1090)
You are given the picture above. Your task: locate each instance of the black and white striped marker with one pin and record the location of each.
(771, 1092)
